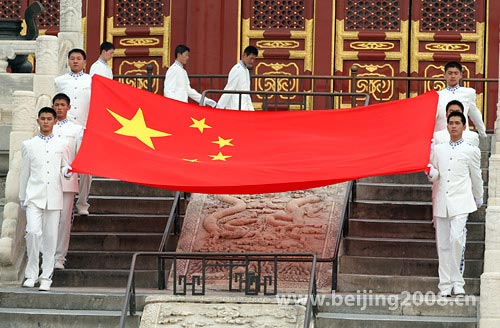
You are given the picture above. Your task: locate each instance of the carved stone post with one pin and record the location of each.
(490, 279)
(70, 35)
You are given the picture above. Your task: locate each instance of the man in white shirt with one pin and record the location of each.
(239, 79)
(444, 136)
(453, 91)
(72, 134)
(45, 160)
(457, 191)
(177, 85)
(76, 85)
(101, 66)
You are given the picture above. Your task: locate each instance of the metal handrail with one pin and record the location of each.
(129, 303)
(353, 95)
(341, 232)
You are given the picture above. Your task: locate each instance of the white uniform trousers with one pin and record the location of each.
(41, 235)
(83, 192)
(65, 226)
(451, 235)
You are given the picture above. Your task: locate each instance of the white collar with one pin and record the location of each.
(46, 138)
(456, 143)
(76, 74)
(178, 64)
(102, 61)
(62, 122)
(453, 89)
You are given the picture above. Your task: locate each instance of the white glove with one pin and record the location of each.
(210, 102)
(479, 202)
(432, 171)
(21, 203)
(66, 171)
(483, 135)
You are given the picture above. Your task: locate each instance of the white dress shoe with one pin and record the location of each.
(30, 283)
(59, 265)
(45, 285)
(445, 293)
(459, 291)
(83, 212)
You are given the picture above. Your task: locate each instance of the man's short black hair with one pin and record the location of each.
(180, 49)
(47, 110)
(452, 64)
(455, 102)
(79, 51)
(62, 96)
(106, 46)
(251, 50)
(453, 114)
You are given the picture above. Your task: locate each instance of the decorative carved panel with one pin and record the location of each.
(130, 13)
(49, 17)
(277, 84)
(10, 9)
(448, 15)
(269, 14)
(368, 15)
(138, 67)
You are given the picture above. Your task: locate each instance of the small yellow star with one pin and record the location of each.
(219, 157)
(195, 160)
(223, 142)
(136, 127)
(199, 124)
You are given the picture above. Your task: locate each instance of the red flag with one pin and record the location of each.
(140, 137)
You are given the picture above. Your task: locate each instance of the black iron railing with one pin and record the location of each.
(252, 280)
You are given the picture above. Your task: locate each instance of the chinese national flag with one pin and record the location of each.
(136, 136)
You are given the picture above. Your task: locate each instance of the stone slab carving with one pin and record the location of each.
(290, 222)
(216, 311)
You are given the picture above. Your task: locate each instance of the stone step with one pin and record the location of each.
(412, 178)
(397, 192)
(406, 304)
(119, 241)
(346, 320)
(348, 282)
(404, 248)
(103, 278)
(111, 187)
(91, 260)
(389, 210)
(120, 222)
(130, 205)
(65, 300)
(419, 229)
(401, 266)
(54, 318)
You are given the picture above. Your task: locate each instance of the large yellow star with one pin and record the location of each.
(223, 142)
(136, 127)
(219, 157)
(199, 124)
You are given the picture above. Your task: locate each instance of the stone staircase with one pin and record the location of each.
(125, 218)
(390, 249)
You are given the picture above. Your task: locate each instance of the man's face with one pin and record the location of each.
(76, 62)
(183, 58)
(107, 54)
(46, 122)
(452, 76)
(248, 60)
(453, 108)
(455, 128)
(61, 107)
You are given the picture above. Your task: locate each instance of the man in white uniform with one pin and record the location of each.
(444, 136)
(177, 85)
(453, 91)
(44, 161)
(456, 192)
(101, 66)
(76, 85)
(72, 134)
(239, 79)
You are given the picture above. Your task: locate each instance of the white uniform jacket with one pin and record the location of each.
(444, 136)
(72, 133)
(177, 85)
(41, 171)
(77, 88)
(100, 67)
(458, 181)
(238, 79)
(467, 96)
